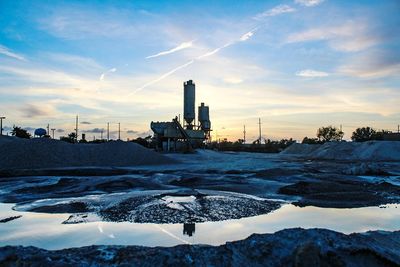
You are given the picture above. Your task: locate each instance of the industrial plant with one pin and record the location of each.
(174, 136)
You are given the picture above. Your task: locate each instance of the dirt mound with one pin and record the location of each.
(42, 153)
(366, 151)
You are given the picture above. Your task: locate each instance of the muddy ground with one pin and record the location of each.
(204, 189)
(136, 194)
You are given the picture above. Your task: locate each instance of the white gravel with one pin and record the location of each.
(365, 151)
(39, 153)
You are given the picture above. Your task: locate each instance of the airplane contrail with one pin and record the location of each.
(183, 45)
(269, 13)
(165, 75)
(243, 38)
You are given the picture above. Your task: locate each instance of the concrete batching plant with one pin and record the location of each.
(177, 137)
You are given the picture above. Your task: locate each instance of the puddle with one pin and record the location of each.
(46, 231)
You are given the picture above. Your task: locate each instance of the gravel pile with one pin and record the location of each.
(301, 149)
(366, 151)
(42, 153)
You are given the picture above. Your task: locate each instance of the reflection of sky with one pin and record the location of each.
(296, 66)
(46, 230)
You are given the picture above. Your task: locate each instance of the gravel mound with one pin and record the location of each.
(302, 149)
(366, 151)
(40, 153)
(5, 139)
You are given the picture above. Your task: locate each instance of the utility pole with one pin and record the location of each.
(53, 131)
(76, 129)
(259, 130)
(341, 132)
(119, 131)
(108, 131)
(48, 129)
(1, 125)
(244, 134)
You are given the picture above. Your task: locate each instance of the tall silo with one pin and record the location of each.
(204, 117)
(189, 94)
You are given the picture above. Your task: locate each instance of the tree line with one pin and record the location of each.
(331, 133)
(324, 134)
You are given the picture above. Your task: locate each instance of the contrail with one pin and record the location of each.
(165, 75)
(243, 38)
(179, 47)
(215, 50)
(104, 73)
(172, 235)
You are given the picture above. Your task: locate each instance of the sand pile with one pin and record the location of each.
(367, 151)
(41, 153)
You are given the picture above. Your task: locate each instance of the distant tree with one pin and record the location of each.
(19, 132)
(364, 134)
(379, 135)
(307, 140)
(71, 138)
(330, 133)
(146, 142)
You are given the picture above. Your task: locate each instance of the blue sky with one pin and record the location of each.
(296, 64)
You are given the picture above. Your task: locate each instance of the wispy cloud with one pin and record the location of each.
(94, 130)
(308, 2)
(7, 52)
(182, 46)
(103, 75)
(281, 9)
(351, 36)
(233, 80)
(33, 111)
(372, 64)
(311, 73)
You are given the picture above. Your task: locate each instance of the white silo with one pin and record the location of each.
(204, 117)
(189, 94)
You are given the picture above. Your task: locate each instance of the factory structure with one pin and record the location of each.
(176, 136)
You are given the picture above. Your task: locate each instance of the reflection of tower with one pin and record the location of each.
(189, 229)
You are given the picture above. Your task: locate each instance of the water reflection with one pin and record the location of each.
(46, 231)
(189, 229)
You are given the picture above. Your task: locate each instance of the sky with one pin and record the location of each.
(298, 65)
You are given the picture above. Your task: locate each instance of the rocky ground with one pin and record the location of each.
(290, 247)
(211, 187)
(124, 197)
